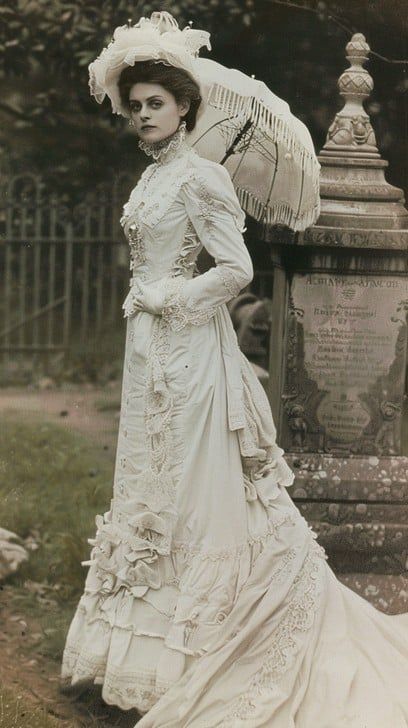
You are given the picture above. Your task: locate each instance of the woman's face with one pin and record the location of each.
(155, 112)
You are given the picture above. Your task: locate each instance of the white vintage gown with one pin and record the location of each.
(208, 601)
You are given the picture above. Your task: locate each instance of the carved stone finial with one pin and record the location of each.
(356, 82)
(351, 129)
(353, 189)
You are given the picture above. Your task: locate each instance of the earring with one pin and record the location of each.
(131, 122)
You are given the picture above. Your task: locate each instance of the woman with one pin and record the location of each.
(208, 601)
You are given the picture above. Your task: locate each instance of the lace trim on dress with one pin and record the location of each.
(286, 640)
(207, 204)
(130, 689)
(156, 485)
(136, 203)
(135, 689)
(176, 311)
(166, 149)
(79, 665)
(229, 280)
(137, 247)
(285, 517)
(157, 189)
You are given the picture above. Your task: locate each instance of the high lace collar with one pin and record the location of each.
(166, 149)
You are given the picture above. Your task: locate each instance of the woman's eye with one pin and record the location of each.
(156, 104)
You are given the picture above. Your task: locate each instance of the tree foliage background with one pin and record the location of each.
(50, 124)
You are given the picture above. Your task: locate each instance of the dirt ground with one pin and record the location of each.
(89, 409)
(36, 678)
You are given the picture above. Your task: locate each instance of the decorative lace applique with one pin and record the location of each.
(230, 282)
(136, 203)
(207, 204)
(137, 248)
(285, 643)
(156, 485)
(166, 149)
(157, 189)
(176, 311)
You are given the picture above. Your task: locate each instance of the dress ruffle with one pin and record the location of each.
(190, 590)
(182, 599)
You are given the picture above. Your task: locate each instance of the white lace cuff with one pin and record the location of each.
(232, 285)
(176, 310)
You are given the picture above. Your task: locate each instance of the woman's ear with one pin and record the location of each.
(184, 107)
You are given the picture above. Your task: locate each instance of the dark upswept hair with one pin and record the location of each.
(175, 80)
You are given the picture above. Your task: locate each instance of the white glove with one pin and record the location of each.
(149, 297)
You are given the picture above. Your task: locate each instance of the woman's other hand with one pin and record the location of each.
(149, 297)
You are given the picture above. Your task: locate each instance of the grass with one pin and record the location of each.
(52, 484)
(16, 713)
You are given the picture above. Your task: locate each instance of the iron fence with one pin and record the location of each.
(64, 270)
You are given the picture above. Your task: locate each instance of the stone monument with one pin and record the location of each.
(338, 347)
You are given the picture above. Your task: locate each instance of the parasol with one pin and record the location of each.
(268, 152)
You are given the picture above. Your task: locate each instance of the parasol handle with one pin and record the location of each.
(236, 141)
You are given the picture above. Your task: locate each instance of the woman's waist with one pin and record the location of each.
(147, 275)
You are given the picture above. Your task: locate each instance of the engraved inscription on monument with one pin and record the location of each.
(346, 363)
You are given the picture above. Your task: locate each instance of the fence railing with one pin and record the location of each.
(63, 271)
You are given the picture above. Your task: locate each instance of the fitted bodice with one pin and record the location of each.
(181, 203)
(161, 236)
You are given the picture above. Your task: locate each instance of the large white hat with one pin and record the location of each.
(157, 38)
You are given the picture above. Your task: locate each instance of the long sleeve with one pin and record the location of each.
(213, 209)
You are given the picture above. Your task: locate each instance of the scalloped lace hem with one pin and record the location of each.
(139, 689)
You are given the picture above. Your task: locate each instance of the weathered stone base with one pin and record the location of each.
(359, 508)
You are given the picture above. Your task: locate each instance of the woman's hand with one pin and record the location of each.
(149, 298)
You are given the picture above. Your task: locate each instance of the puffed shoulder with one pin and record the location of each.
(208, 188)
